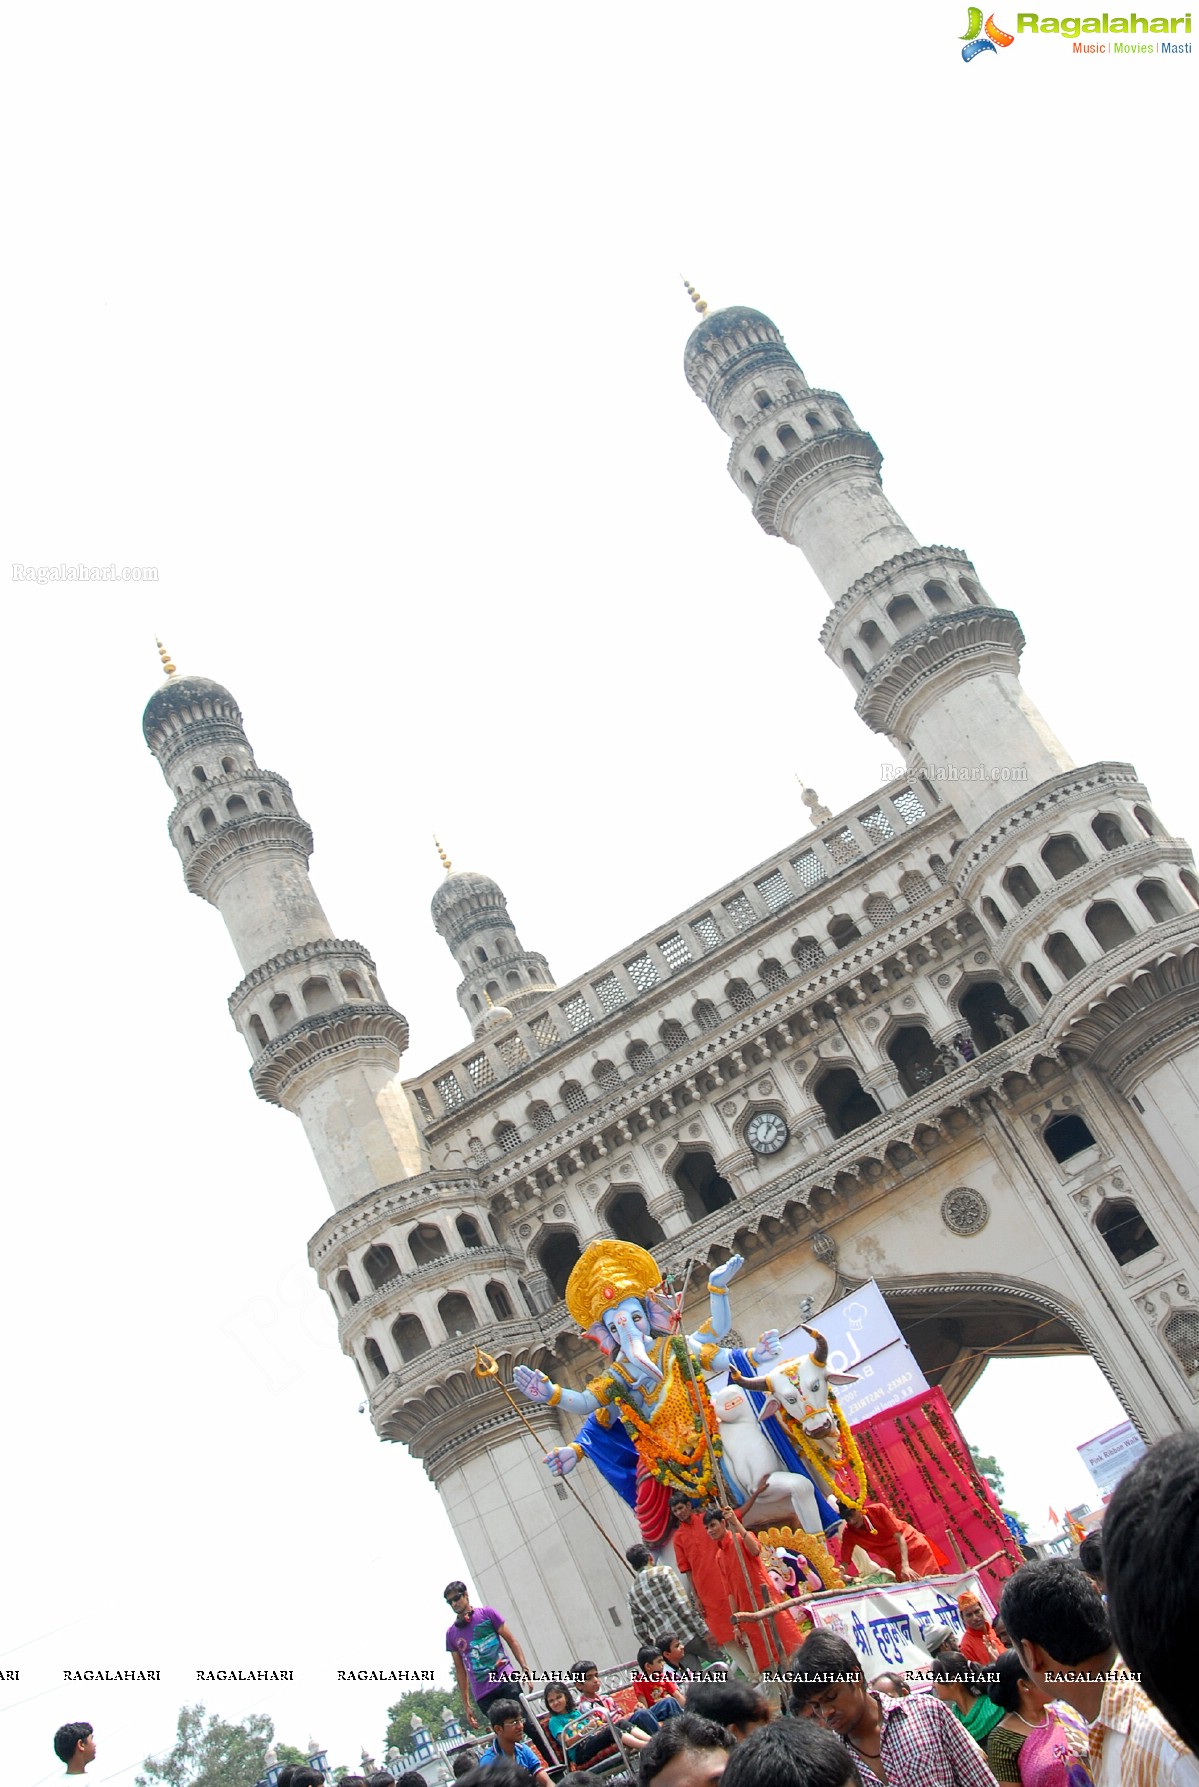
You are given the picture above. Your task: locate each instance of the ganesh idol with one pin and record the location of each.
(650, 1427)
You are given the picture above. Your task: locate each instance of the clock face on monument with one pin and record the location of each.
(766, 1132)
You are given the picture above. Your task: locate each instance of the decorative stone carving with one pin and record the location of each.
(824, 1247)
(964, 1211)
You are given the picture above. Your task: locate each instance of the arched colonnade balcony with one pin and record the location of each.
(310, 981)
(702, 946)
(906, 592)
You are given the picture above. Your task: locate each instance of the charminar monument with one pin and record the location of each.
(948, 1039)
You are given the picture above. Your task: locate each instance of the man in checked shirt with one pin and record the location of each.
(659, 1603)
(915, 1742)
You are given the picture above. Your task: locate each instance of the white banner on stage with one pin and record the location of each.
(885, 1626)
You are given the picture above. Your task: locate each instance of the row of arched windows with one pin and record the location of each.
(458, 1317)
(236, 807)
(426, 1243)
(904, 613)
(317, 994)
(814, 419)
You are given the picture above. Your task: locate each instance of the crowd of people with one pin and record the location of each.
(1080, 1679)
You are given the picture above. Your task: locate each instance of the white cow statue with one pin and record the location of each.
(749, 1459)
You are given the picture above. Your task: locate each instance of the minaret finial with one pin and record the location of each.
(445, 859)
(165, 655)
(701, 304)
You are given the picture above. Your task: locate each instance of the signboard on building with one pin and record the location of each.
(863, 1337)
(1110, 1454)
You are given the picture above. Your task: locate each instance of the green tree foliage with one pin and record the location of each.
(209, 1752)
(428, 1702)
(289, 1753)
(988, 1469)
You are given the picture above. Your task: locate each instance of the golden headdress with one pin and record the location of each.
(605, 1272)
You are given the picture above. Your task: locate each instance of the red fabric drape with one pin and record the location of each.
(919, 1464)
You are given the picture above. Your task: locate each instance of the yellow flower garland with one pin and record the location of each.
(823, 1467)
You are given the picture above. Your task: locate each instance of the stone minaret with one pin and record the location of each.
(1089, 903)
(498, 972)
(323, 1041)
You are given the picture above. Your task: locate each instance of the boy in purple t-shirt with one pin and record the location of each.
(483, 1669)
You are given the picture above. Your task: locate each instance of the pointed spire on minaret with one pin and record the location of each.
(165, 655)
(701, 304)
(446, 863)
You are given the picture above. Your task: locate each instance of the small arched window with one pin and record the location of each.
(227, 766)
(672, 1035)
(1067, 1135)
(1126, 1234)
(871, 637)
(375, 1359)
(506, 1137)
(352, 986)
(606, 1075)
(1034, 983)
(426, 1243)
(880, 911)
(914, 887)
(457, 1315)
(1109, 831)
(762, 399)
(850, 661)
(738, 995)
(1191, 883)
(379, 1264)
(1020, 884)
(639, 1056)
(970, 590)
(199, 774)
(993, 915)
(480, 955)
(282, 1011)
(1181, 1335)
(501, 1306)
(844, 1100)
(317, 996)
(512, 978)
(264, 799)
(774, 976)
(1156, 901)
(187, 832)
(843, 931)
(748, 482)
(1062, 855)
(787, 437)
(814, 420)
(258, 1030)
(468, 1231)
(1147, 822)
(348, 1289)
(208, 819)
(762, 456)
(938, 595)
(574, 1097)
(540, 1116)
(903, 614)
(1061, 952)
(705, 1015)
(807, 952)
(408, 1332)
(1108, 925)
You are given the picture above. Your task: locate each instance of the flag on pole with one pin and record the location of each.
(1053, 1517)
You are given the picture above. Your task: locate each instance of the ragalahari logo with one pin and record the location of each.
(979, 37)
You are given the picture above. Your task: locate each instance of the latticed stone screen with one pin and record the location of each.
(876, 823)
(577, 1012)
(507, 1137)
(880, 911)
(915, 888)
(808, 867)
(739, 994)
(675, 949)
(512, 1051)
(545, 1031)
(807, 952)
(609, 992)
(741, 912)
(450, 1092)
(842, 846)
(642, 972)
(574, 1097)
(482, 1073)
(909, 806)
(708, 931)
(774, 976)
(774, 890)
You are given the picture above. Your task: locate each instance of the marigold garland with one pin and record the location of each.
(848, 1456)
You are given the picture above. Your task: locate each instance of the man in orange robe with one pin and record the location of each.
(979, 1644)
(890, 1541)
(731, 1537)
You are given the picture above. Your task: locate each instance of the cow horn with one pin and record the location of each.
(820, 1350)
(751, 1383)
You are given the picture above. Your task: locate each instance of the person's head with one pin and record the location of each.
(558, 1698)
(506, 1720)
(936, 1638)
(716, 1523)
(457, 1599)
(954, 1679)
(307, 1777)
(891, 1682)
(1151, 1568)
(686, 1751)
(496, 1774)
(649, 1659)
(854, 1516)
(971, 1610)
(1055, 1618)
(586, 1674)
(837, 1703)
(1007, 1683)
(287, 1774)
(671, 1646)
(1001, 1631)
(76, 1740)
(1090, 1556)
(409, 1778)
(681, 1509)
(733, 1704)
(463, 1764)
(639, 1556)
(791, 1753)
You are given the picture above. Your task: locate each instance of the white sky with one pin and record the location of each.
(364, 326)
